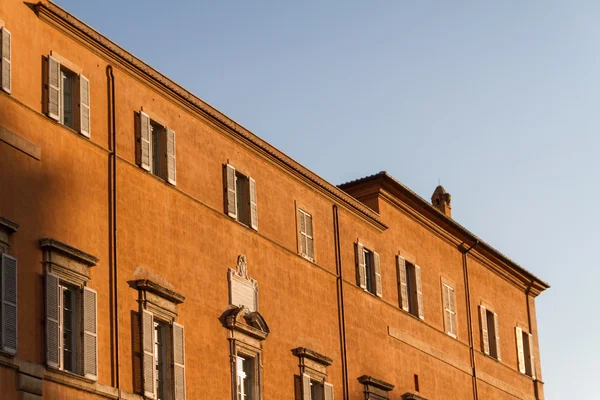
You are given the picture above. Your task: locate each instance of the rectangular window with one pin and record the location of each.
(449, 301)
(410, 290)
(156, 148)
(5, 60)
(245, 378)
(160, 358)
(525, 352)
(305, 232)
(241, 199)
(69, 314)
(8, 303)
(490, 338)
(68, 97)
(368, 270)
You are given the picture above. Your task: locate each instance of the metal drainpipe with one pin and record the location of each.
(113, 223)
(470, 318)
(340, 300)
(535, 388)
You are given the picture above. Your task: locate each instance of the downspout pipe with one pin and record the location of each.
(113, 223)
(469, 315)
(527, 291)
(340, 301)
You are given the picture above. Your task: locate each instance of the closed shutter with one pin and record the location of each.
(419, 288)
(303, 239)
(171, 162)
(452, 302)
(231, 191)
(361, 266)
(178, 361)
(376, 261)
(403, 292)
(54, 85)
(531, 356)
(328, 391)
(145, 142)
(90, 334)
(148, 348)
(520, 349)
(310, 242)
(306, 387)
(253, 205)
(84, 106)
(5, 51)
(485, 341)
(447, 313)
(53, 300)
(8, 289)
(497, 333)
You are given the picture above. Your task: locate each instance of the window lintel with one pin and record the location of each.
(375, 389)
(240, 319)
(412, 396)
(303, 352)
(7, 228)
(54, 246)
(147, 285)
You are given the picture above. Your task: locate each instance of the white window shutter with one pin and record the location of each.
(497, 333)
(148, 358)
(145, 142)
(310, 242)
(8, 289)
(377, 262)
(90, 334)
(401, 267)
(253, 205)
(419, 292)
(53, 339)
(452, 300)
(171, 160)
(446, 304)
(84, 106)
(303, 238)
(178, 361)
(361, 266)
(5, 61)
(520, 349)
(485, 341)
(54, 88)
(231, 191)
(531, 355)
(306, 387)
(328, 391)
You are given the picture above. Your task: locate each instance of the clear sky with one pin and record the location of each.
(497, 99)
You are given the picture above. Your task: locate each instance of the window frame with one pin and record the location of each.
(453, 313)
(302, 211)
(528, 367)
(493, 322)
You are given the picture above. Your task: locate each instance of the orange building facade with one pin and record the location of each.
(154, 248)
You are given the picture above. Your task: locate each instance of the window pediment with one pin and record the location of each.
(67, 262)
(248, 322)
(375, 389)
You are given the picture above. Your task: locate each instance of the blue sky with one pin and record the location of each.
(499, 100)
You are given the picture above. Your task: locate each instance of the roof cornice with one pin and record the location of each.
(57, 16)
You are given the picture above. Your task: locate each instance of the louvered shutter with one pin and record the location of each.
(310, 243)
(90, 334)
(376, 261)
(401, 267)
(231, 191)
(303, 239)
(253, 205)
(145, 142)
(171, 161)
(452, 302)
(8, 289)
(328, 387)
(419, 288)
(84, 106)
(485, 341)
(497, 333)
(306, 387)
(54, 88)
(5, 51)
(53, 340)
(361, 266)
(531, 356)
(520, 349)
(178, 361)
(148, 357)
(447, 314)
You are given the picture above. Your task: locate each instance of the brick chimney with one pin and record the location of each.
(441, 200)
